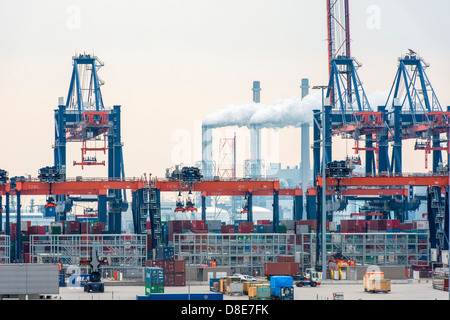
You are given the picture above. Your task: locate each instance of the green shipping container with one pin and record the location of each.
(153, 288)
(55, 230)
(263, 292)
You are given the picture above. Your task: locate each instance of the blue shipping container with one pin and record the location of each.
(154, 275)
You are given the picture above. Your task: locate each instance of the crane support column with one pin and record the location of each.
(203, 207)
(327, 134)
(298, 208)
(437, 154)
(370, 158)
(250, 206)
(397, 149)
(19, 230)
(115, 170)
(276, 212)
(316, 144)
(383, 153)
(7, 215)
(102, 211)
(59, 155)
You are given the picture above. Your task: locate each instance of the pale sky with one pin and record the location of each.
(169, 63)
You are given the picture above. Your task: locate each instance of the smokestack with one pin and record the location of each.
(255, 137)
(207, 157)
(305, 87)
(305, 157)
(256, 91)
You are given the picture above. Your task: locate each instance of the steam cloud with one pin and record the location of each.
(281, 113)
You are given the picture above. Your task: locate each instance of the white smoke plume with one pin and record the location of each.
(281, 113)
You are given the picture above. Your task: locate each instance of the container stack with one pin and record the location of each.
(353, 226)
(73, 227)
(174, 271)
(245, 227)
(154, 280)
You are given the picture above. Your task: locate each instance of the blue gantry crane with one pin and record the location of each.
(84, 118)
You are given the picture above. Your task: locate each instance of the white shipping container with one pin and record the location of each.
(24, 225)
(444, 256)
(421, 224)
(302, 229)
(332, 227)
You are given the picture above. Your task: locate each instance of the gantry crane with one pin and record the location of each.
(84, 118)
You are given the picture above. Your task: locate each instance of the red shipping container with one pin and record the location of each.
(169, 279)
(179, 279)
(393, 224)
(286, 259)
(406, 226)
(25, 247)
(97, 229)
(175, 226)
(155, 263)
(198, 225)
(373, 225)
(281, 268)
(263, 222)
(85, 227)
(382, 224)
(227, 228)
(73, 226)
(179, 266)
(245, 227)
(186, 224)
(169, 266)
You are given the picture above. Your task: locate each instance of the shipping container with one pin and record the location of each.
(281, 269)
(153, 288)
(284, 258)
(179, 279)
(198, 225)
(154, 275)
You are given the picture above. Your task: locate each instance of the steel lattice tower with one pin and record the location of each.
(338, 30)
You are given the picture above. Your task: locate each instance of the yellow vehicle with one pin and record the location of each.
(338, 268)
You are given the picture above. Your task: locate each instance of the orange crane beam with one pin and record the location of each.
(403, 180)
(82, 187)
(222, 187)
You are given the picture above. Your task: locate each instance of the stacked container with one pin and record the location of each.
(154, 280)
(174, 271)
(98, 228)
(198, 225)
(73, 227)
(353, 226)
(245, 227)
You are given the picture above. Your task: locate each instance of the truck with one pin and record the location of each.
(311, 278)
(281, 288)
(281, 269)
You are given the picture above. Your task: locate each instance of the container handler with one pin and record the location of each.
(94, 284)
